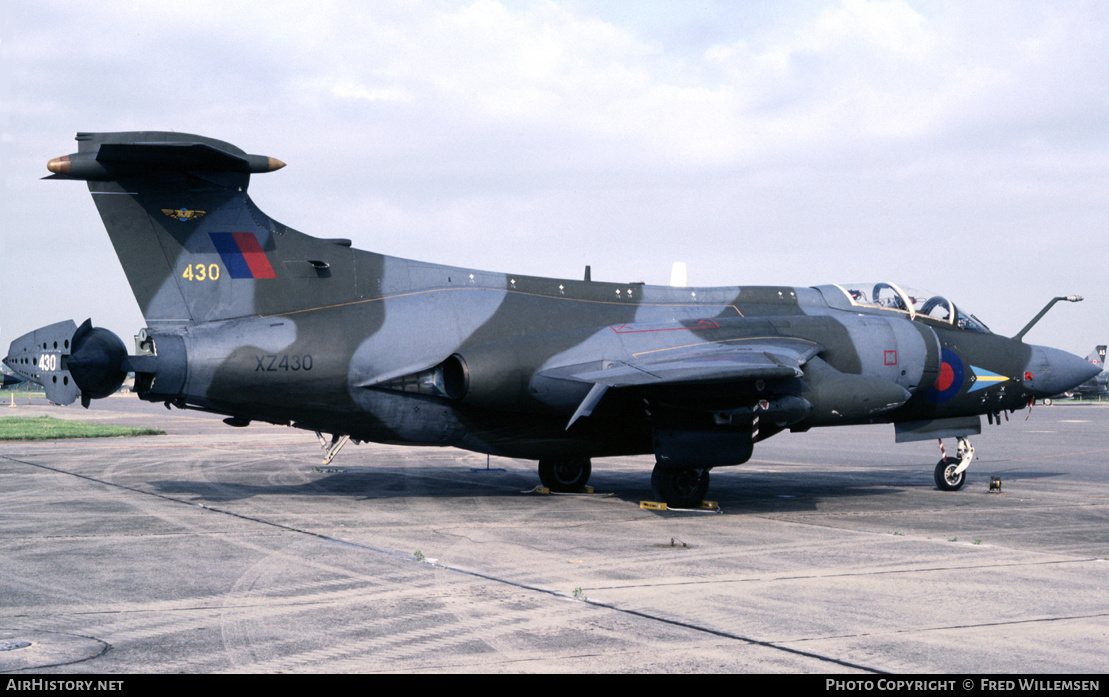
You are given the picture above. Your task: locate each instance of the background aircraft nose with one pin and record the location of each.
(1051, 371)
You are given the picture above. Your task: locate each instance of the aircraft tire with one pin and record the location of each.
(565, 476)
(683, 487)
(946, 481)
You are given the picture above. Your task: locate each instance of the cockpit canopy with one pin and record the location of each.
(918, 304)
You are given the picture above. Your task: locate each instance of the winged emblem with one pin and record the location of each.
(184, 214)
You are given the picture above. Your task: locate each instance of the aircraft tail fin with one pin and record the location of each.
(1097, 356)
(193, 245)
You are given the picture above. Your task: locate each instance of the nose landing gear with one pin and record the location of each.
(950, 473)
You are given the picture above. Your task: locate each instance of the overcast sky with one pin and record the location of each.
(961, 147)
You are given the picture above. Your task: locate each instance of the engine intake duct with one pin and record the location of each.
(838, 397)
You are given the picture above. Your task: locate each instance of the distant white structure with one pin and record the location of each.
(678, 278)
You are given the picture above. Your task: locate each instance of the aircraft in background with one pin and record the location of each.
(6, 380)
(251, 319)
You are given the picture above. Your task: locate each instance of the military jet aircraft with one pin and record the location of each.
(251, 319)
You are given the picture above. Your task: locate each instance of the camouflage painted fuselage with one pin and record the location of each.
(512, 332)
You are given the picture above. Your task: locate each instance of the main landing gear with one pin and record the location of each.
(332, 448)
(951, 471)
(565, 476)
(680, 487)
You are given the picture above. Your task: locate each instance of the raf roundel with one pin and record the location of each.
(950, 380)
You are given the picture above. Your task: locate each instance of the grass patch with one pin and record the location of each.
(49, 428)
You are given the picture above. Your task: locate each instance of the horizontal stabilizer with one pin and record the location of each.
(106, 161)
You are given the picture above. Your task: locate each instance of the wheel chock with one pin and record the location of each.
(660, 506)
(544, 490)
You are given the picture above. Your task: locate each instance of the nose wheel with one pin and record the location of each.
(950, 472)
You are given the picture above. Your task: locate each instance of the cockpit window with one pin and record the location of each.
(970, 322)
(938, 307)
(886, 296)
(917, 304)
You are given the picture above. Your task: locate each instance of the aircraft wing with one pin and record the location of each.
(727, 361)
(699, 364)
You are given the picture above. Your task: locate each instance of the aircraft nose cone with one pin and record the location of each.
(1051, 371)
